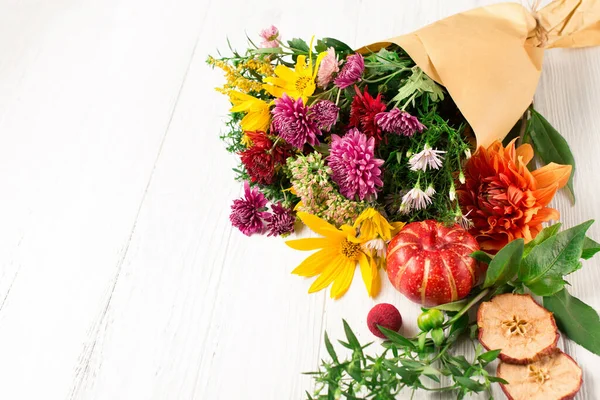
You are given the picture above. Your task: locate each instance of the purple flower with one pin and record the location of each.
(354, 167)
(281, 221)
(351, 72)
(246, 214)
(399, 122)
(292, 122)
(270, 37)
(325, 114)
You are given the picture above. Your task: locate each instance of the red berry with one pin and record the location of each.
(385, 315)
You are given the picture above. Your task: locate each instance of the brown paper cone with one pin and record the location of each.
(490, 58)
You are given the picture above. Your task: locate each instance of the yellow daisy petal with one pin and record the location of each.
(376, 286)
(328, 275)
(308, 244)
(319, 225)
(285, 73)
(343, 281)
(366, 271)
(315, 263)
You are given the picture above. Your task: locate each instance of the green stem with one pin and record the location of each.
(466, 308)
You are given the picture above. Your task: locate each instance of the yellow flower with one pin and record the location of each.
(372, 225)
(377, 232)
(335, 262)
(257, 111)
(296, 83)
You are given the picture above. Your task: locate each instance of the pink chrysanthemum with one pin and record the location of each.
(291, 120)
(399, 122)
(325, 114)
(270, 37)
(351, 72)
(247, 213)
(281, 221)
(354, 167)
(329, 66)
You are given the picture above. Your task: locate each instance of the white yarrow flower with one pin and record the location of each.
(376, 247)
(427, 158)
(416, 199)
(461, 178)
(468, 153)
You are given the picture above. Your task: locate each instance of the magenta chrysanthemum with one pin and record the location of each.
(399, 122)
(354, 167)
(247, 213)
(325, 114)
(291, 121)
(280, 221)
(351, 71)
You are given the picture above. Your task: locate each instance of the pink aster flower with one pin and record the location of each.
(351, 72)
(281, 221)
(291, 120)
(270, 37)
(325, 114)
(353, 165)
(329, 66)
(247, 213)
(399, 122)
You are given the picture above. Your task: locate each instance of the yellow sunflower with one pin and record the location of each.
(335, 262)
(296, 83)
(257, 116)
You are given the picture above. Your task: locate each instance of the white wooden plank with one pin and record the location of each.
(87, 94)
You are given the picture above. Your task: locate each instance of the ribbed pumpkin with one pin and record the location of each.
(429, 262)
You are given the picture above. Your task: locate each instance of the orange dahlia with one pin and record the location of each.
(503, 199)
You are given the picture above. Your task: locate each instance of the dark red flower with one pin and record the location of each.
(363, 111)
(262, 158)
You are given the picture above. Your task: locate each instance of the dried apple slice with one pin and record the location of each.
(554, 377)
(515, 323)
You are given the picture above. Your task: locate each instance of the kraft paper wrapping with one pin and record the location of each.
(490, 58)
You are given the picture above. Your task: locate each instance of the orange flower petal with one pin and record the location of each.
(545, 215)
(525, 151)
(544, 195)
(552, 174)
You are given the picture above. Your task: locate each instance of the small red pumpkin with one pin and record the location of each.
(429, 262)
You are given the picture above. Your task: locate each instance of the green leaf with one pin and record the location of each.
(469, 383)
(489, 356)
(577, 320)
(543, 269)
(352, 340)
(338, 46)
(542, 236)
(397, 338)
(590, 248)
(330, 349)
(482, 256)
(438, 337)
(455, 306)
(419, 82)
(458, 327)
(497, 380)
(550, 145)
(298, 46)
(505, 264)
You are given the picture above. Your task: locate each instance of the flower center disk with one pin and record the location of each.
(350, 249)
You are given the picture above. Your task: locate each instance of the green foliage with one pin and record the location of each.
(505, 264)
(405, 364)
(576, 319)
(540, 266)
(549, 145)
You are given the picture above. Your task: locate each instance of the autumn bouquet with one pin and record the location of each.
(381, 154)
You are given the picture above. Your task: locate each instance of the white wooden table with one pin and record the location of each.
(120, 275)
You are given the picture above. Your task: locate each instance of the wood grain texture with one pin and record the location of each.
(120, 276)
